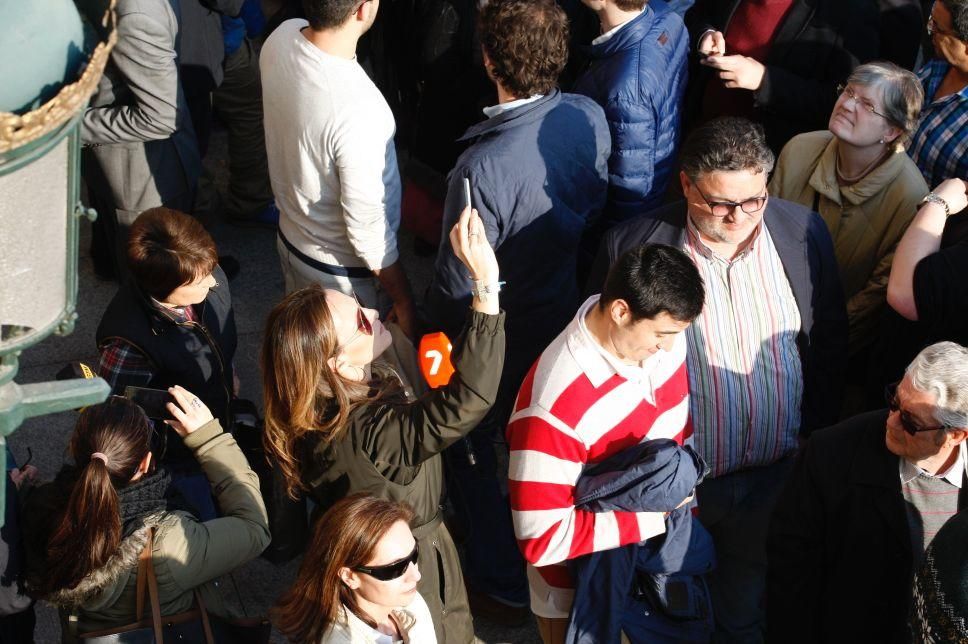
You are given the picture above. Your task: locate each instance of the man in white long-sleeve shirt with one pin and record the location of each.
(333, 167)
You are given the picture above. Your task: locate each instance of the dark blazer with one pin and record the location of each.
(816, 47)
(803, 243)
(839, 549)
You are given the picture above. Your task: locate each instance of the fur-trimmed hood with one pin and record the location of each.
(117, 569)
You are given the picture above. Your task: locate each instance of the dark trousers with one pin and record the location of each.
(238, 106)
(492, 561)
(735, 508)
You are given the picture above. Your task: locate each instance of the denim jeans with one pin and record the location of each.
(735, 508)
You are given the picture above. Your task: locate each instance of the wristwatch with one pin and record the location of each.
(934, 198)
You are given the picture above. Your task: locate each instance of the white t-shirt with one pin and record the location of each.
(332, 163)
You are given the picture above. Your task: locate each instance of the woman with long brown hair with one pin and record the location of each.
(83, 532)
(358, 580)
(344, 412)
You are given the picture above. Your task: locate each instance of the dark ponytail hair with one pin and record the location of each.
(89, 531)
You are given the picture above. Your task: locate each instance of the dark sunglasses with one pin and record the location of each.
(725, 208)
(908, 424)
(363, 325)
(390, 570)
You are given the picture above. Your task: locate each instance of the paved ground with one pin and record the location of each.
(254, 291)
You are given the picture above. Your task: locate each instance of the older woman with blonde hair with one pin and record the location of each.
(346, 412)
(857, 176)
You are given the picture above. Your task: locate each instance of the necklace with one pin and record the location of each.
(847, 181)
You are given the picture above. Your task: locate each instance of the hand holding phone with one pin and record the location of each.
(153, 401)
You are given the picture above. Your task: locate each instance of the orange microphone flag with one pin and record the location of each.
(435, 362)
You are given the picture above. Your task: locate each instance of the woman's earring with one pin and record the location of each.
(882, 141)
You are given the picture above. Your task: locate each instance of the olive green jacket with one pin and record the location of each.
(866, 220)
(392, 450)
(187, 553)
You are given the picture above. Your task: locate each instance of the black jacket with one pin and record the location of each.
(815, 48)
(807, 254)
(196, 355)
(839, 548)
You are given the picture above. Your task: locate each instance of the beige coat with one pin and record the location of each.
(866, 220)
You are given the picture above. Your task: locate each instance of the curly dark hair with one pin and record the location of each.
(726, 144)
(526, 42)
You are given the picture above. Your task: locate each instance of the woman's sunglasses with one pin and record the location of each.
(390, 570)
(363, 326)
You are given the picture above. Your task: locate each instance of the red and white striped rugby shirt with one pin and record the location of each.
(579, 406)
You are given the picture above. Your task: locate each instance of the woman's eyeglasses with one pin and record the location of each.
(391, 570)
(863, 102)
(363, 326)
(725, 208)
(908, 424)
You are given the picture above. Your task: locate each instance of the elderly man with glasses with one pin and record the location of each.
(766, 355)
(865, 500)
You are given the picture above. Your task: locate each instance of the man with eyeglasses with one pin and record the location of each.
(766, 355)
(865, 499)
(940, 143)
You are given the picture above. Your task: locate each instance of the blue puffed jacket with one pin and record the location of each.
(639, 76)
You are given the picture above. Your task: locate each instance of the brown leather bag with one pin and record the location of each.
(193, 626)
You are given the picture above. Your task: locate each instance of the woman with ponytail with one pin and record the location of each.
(84, 531)
(358, 581)
(345, 414)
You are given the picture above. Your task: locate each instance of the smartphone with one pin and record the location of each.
(152, 401)
(467, 192)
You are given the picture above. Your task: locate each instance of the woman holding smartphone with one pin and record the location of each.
(341, 420)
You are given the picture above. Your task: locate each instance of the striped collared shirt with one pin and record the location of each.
(745, 376)
(940, 142)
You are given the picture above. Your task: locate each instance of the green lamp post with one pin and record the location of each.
(51, 57)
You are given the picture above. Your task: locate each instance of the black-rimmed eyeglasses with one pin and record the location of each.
(725, 208)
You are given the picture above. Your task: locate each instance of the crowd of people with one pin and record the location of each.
(703, 268)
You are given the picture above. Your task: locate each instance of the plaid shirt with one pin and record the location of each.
(122, 365)
(940, 142)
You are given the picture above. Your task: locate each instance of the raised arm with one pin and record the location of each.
(409, 434)
(218, 546)
(923, 238)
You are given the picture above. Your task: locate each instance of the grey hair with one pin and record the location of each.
(959, 17)
(942, 371)
(901, 91)
(726, 144)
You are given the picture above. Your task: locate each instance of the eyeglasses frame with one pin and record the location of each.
(852, 95)
(732, 205)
